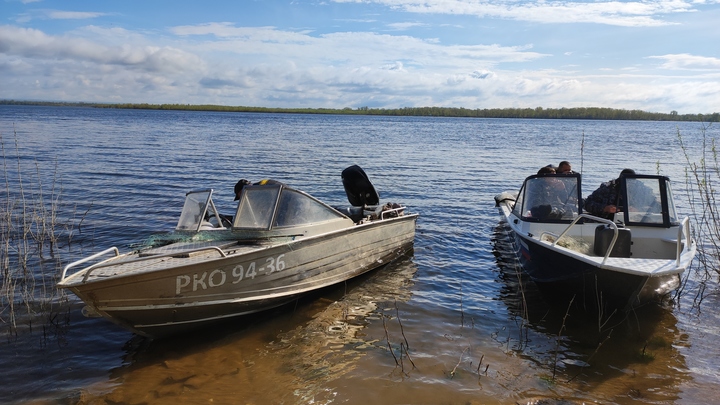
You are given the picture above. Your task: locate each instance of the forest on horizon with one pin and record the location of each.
(591, 113)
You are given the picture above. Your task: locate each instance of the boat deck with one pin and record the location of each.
(641, 266)
(177, 254)
(630, 265)
(186, 249)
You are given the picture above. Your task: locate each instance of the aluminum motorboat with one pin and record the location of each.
(281, 243)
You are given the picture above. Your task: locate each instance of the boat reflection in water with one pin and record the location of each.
(628, 356)
(285, 357)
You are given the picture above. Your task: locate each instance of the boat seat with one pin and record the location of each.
(603, 237)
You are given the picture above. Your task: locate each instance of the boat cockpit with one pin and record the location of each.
(278, 210)
(268, 210)
(271, 209)
(644, 200)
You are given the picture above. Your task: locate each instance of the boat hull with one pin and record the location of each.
(595, 283)
(187, 293)
(563, 278)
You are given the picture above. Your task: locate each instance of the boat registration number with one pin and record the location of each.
(219, 277)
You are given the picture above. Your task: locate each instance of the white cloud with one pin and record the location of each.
(621, 13)
(46, 14)
(689, 62)
(71, 15)
(228, 30)
(482, 74)
(268, 44)
(401, 26)
(398, 66)
(35, 44)
(220, 63)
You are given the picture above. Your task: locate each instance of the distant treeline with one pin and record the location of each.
(591, 113)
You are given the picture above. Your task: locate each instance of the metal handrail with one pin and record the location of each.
(95, 256)
(397, 210)
(105, 263)
(684, 228)
(612, 224)
(171, 254)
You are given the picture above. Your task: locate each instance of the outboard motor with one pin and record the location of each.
(359, 189)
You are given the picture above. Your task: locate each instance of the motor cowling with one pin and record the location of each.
(359, 189)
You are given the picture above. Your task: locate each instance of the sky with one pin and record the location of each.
(650, 55)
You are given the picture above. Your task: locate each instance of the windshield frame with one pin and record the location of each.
(198, 206)
(560, 211)
(663, 212)
(278, 207)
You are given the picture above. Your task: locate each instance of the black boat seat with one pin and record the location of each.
(603, 237)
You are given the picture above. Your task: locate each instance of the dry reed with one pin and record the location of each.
(31, 232)
(702, 177)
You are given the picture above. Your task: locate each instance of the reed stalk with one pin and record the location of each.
(559, 336)
(30, 233)
(452, 373)
(702, 177)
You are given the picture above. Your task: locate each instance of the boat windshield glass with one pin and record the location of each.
(296, 208)
(256, 208)
(645, 200)
(193, 212)
(263, 207)
(518, 207)
(549, 198)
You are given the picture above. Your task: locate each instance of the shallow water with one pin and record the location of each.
(452, 314)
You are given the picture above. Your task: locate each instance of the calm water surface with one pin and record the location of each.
(454, 307)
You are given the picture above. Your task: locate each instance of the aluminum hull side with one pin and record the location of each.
(189, 292)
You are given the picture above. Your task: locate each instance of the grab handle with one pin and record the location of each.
(160, 256)
(397, 211)
(87, 259)
(612, 224)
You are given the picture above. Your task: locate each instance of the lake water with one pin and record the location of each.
(454, 307)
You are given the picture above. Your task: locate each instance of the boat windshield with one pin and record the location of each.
(198, 206)
(649, 201)
(549, 198)
(276, 206)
